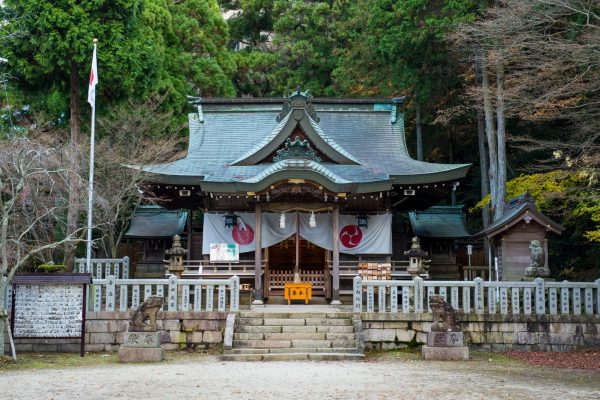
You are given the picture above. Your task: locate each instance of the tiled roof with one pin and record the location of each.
(516, 212)
(155, 221)
(439, 222)
(365, 136)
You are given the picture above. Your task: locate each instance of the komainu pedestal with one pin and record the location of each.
(142, 342)
(445, 341)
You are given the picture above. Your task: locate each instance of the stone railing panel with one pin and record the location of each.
(179, 294)
(538, 297)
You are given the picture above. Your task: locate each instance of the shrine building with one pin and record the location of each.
(313, 186)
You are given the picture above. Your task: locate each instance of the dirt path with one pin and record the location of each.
(208, 378)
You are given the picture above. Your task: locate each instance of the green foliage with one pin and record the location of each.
(254, 73)
(51, 268)
(145, 48)
(571, 199)
(198, 60)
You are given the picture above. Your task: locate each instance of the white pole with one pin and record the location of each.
(88, 263)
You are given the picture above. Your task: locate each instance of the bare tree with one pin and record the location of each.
(136, 133)
(34, 190)
(550, 53)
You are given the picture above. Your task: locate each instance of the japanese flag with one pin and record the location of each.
(93, 80)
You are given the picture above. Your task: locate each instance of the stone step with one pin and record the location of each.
(295, 336)
(292, 350)
(262, 344)
(289, 336)
(285, 321)
(274, 314)
(293, 357)
(293, 322)
(312, 343)
(329, 321)
(335, 329)
(339, 336)
(264, 329)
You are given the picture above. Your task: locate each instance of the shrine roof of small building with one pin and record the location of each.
(439, 222)
(150, 221)
(520, 208)
(363, 141)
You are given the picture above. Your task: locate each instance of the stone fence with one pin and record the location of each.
(537, 297)
(490, 332)
(105, 331)
(104, 267)
(181, 294)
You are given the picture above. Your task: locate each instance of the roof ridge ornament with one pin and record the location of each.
(296, 149)
(298, 100)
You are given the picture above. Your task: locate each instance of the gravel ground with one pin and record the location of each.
(207, 377)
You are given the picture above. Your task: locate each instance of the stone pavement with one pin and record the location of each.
(208, 378)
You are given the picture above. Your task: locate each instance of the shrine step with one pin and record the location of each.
(293, 329)
(265, 336)
(294, 357)
(267, 344)
(292, 350)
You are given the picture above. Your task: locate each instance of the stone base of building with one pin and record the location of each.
(446, 353)
(141, 354)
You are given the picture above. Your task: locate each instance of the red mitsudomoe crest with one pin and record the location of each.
(242, 234)
(350, 236)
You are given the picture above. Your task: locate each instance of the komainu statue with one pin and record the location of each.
(537, 268)
(144, 318)
(445, 318)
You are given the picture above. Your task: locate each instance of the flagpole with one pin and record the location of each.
(88, 262)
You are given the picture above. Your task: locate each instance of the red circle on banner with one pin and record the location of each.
(243, 236)
(350, 236)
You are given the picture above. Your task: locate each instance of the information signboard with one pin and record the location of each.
(50, 306)
(224, 252)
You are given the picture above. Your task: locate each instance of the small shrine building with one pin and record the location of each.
(297, 185)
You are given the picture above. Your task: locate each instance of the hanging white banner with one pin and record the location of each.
(243, 233)
(322, 233)
(376, 239)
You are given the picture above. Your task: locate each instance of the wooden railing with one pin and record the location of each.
(349, 269)
(102, 267)
(112, 294)
(204, 268)
(474, 271)
(278, 278)
(538, 296)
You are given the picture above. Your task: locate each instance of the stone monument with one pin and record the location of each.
(142, 339)
(445, 341)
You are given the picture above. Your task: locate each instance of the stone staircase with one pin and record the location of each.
(282, 336)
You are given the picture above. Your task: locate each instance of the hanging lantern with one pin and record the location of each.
(312, 221)
(230, 220)
(362, 221)
(282, 220)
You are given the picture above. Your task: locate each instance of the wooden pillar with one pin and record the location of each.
(189, 234)
(258, 287)
(335, 298)
(297, 265)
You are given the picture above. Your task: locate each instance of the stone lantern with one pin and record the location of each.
(415, 258)
(176, 254)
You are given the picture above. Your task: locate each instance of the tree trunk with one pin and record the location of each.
(501, 136)
(489, 131)
(73, 211)
(483, 160)
(419, 132)
(3, 312)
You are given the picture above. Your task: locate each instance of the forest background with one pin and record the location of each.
(512, 86)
